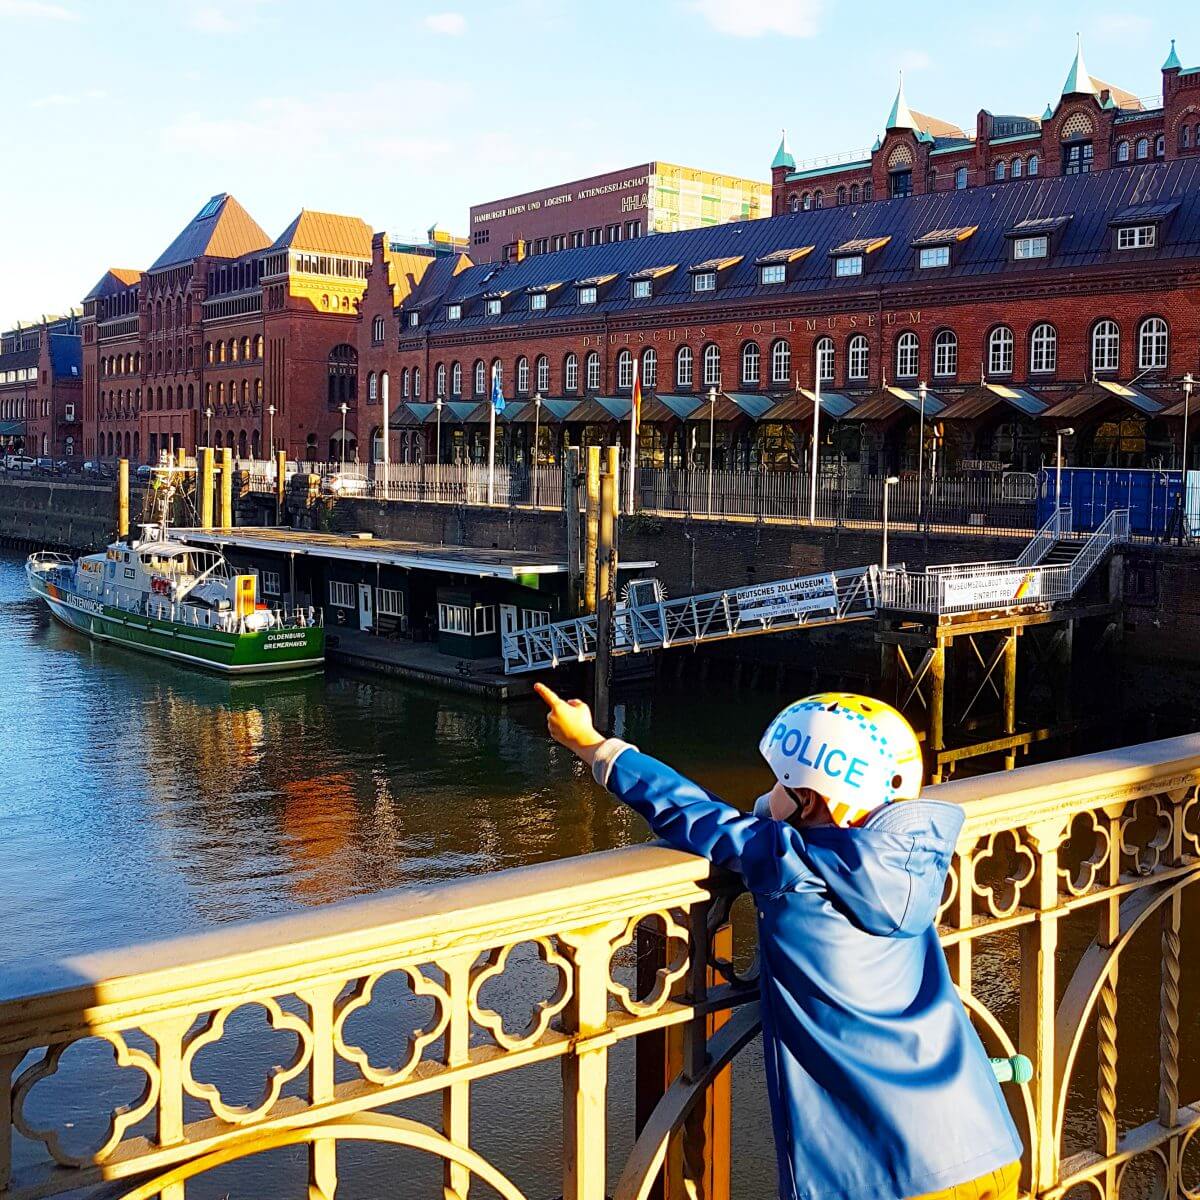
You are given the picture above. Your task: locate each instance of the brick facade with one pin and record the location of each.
(41, 388)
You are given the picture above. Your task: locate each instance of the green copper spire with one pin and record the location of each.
(1079, 82)
(901, 115)
(783, 156)
(1109, 102)
(1048, 115)
(1172, 63)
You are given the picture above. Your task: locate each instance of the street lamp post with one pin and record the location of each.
(712, 436)
(208, 415)
(537, 429)
(344, 408)
(271, 426)
(888, 484)
(1068, 432)
(437, 481)
(921, 394)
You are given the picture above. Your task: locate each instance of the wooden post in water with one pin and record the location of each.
(280, 481)
(205, 487)
(606, 583)
(592, 525)
(180, 457)
(1010, 694)
(122, 498)
(937, 707)
(571, 516)
(225, 507)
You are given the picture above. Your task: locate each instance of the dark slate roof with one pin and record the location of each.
(115, 279)
(222, 229)
(18, 360)
(1144, 212)
(66, 355)
(1090, 200)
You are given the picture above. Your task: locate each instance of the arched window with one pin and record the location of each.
(233, 349)
(750, 363)
(712, 365)
(342, 371)
(377, 330)
(818, 198)
(439, 381)
(960, 178)
(806, 201)
(649, 367)
(245, 394)
(372, 388)
(858, 357)
(245, 348)
(683, 367)
(497, 372)
(1160, 146)
(1001, 168)
(781, 361)
(571, 373)
(1043, 349)
(945, 354)
(841, 195)
(258, 392)
(908, 356)
(625, 369)
(793, 203)
(1152, 344)
(1106, 346)
(591, 376)
(456, 379)
(1122, 151)
(868, 191)
(416, 383)
(1185, 137)
(522, 374)
(480, 377)
(854, 193)
(824, 360)
(258, 347)
(1143, 148)
(1018, 168)
(404, 384)
(1000, 351)
(1034, 163)
(542, 372)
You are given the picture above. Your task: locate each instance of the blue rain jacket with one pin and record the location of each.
(879, 1087)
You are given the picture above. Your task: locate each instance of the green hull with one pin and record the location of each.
(287, 649)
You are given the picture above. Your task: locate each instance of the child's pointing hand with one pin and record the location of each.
(570, 724)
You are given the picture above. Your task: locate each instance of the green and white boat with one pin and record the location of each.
(161, 596)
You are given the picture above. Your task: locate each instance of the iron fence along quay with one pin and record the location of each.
(1095, 853)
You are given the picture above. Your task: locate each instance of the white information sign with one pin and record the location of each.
(788, 598)
(990, 590)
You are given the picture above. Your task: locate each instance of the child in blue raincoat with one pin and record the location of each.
(879, 1086)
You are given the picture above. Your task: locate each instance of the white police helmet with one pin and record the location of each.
(855, 751)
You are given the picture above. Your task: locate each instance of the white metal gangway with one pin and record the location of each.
(1050, 570)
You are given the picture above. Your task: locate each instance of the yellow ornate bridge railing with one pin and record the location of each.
(399, 1010)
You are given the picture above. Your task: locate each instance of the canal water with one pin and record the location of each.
(141, 800)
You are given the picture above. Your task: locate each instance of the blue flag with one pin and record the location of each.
(497, 393)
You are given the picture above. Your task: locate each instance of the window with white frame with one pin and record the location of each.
(1152, 344)
(781, 362)
(1043, 349)
(683, 367)
(271, 583)
(389, 602)
(492, 308)
(847, 265)
(454, 312)
(908, 356)
(641, 289)
(485, 618)
(1106, 346)
(1122, 152)
(377, 330)
(414, 319)
(543, 373)
(934, 256)
(625, 369)
(1018, 168)
(960, 179)
(712, 365)
(945, 354)
(751, 360)
(1031, 247)
(704, 281)
(1143, 148)
(534, 618)
(522, 374)
(824, 356)
(592, 372)
(480, 379)
(537, 301)
(341, 595)
(772, 273)
(1001, 170)
(404, 383)
(1034, 163)
(440, 380)
(372, 386)
(454, 618)
(587, 295)
(456, 379)
(1000, 351)
(1135, 237)
(650, 368)
(858, 357)
(416, 383)
(571, 373)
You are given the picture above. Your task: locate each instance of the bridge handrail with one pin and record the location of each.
(1110, 832)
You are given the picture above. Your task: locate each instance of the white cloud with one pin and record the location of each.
(37, 9)
(754, 18)
(1120, 25)
(210, 19)
(450, 23)
(67, 99)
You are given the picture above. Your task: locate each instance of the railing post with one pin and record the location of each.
(456, 1099)
(322, 1155)
(168, 1037)
(8, 1064)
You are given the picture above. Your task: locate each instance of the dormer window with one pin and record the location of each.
(847, 265)
(492, 308)
(1035, 238)
(850, 258)
(772, 273)
(933, 256)
(587, 295)
(938, 247)
(642, 289)
(454, 312)
(704, 274)
(1031, 247)
(1136, 237)
(414, 319)
(704, 281)
(537, 302)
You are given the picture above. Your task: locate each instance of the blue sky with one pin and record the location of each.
(123, 116)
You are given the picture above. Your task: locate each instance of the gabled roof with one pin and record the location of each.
(221, 229)
(1036, 226)
(652, 272)
(943, 237)
(1144, 212)
(1100, 392)
(716, 264)
(865, 245)
(983, 398)
(786, 255)
(326, 233)
(115, 279)
(887, 402)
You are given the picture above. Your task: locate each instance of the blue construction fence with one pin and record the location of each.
(1091, 493)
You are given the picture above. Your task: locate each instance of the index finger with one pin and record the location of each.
(551, 699)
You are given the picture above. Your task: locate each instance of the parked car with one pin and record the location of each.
(101, 469)
(343, 485)
(19, 462)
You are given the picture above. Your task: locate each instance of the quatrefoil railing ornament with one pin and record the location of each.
(674, 934)
(360, 997)
(120, 1120)
(1151, 817)
(214, 1029)
(1079, 879)
(495, 962)
(1003, 897)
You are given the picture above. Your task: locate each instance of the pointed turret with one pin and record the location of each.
(1172, 63)
(1079, 82)
(1048, 115)
(901, 115)
(783, 156)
